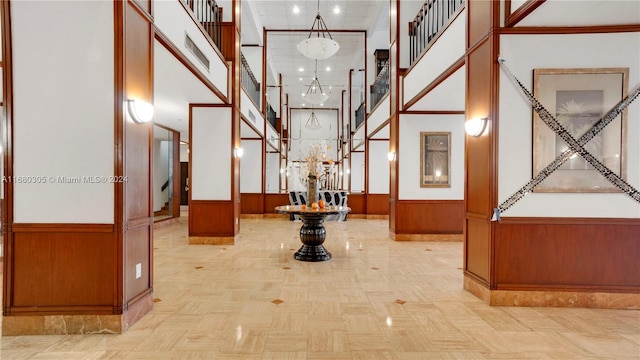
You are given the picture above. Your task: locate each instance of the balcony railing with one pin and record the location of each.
(271, 117)
(433, 15)
(249, 83)
(359, 116)
(380, 86)
(209, 14)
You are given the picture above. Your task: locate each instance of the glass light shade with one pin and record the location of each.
(238, 152)
(140, 111)
(476, 127)
(316, 98)
(318, 48)
(313, 122)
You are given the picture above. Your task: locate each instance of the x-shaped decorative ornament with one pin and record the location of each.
(575, 146)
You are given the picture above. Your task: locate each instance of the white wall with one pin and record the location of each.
(378, 167)
(251, 166)
(250, 111)
(409, 156)
(525, 53)
(184, 153)
(357, 172)
(379, 116)
(273, 173)
(160, 173)
(211, 153)
(303, 138)
(63, 110)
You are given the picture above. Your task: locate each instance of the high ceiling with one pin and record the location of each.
(279, 17)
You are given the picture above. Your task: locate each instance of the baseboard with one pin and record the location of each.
(552, 298)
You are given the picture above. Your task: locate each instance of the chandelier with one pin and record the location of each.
(314, 94)
(322, 45)
(313, 122)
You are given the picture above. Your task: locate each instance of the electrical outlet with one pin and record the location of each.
(138, 270)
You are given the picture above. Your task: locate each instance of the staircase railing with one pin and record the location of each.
(380, 86)
(431, 18)
(359, 115)
(249, 82)
(271, 117)
(209, 14)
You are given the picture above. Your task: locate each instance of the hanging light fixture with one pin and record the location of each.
(322, 45)
(315, 94)
(313, 122)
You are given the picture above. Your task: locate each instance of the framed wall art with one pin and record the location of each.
(435, 159)
(578, 98)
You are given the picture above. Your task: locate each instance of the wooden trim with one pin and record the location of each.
(138, 8)
(63, 228)
(7, 154)
(433, 112)
(203, 31)
(442, 31)
(568, 221)
(570, 30)
(437, 81)
(177, 53)
(511, 19)
(119, 163)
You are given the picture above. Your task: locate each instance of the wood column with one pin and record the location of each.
(69, 268)
(481, 152)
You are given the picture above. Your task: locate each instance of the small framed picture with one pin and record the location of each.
(435, 159)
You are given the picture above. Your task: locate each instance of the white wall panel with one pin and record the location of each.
(251, 167)
(63, 110)
(250, 112)
(449, 95)
(357, 172)
(380, 115)
(303, 138)
(444, 52)
(378, 167)
(174, 22)
(272, 173)
(409, 156)
(211, 153)
(525, 53)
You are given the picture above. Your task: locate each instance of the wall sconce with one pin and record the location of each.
(238, 152)
(476, 127)
(391, 156)
(140, 111)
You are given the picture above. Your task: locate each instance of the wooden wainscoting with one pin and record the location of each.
(273, 200)
(211, 219)
(62, 268)
(377, 204)
(567, 254)
(356, 201)
(441, 220)
(251, 203)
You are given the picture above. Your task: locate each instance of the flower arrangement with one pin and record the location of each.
(313, 163)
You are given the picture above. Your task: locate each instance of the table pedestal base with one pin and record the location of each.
(312, 253)
(312, 234)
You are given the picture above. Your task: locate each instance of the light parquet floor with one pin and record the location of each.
(375, 299)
